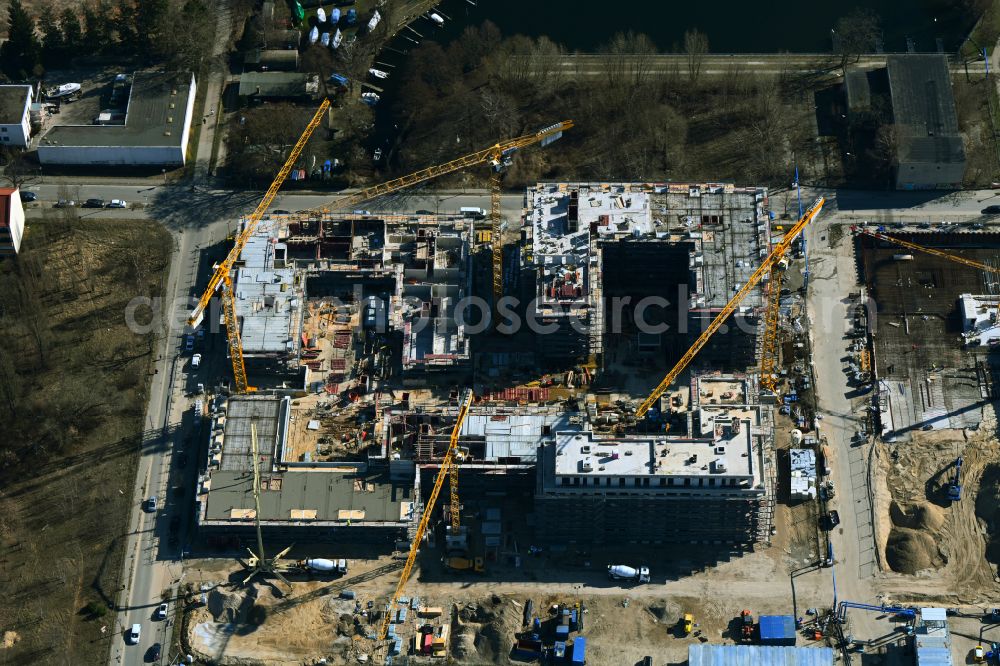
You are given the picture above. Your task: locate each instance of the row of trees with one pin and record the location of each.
(179, 34)
(638, 116)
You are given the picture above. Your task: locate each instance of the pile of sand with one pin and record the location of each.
(231, 607)
(917, 515)
(483, 632)
(909, 551)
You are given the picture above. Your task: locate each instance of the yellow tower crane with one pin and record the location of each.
(769, 342)
(776, 253)
(447, 466)
(498, 156)
(926, 250)
(221, 277)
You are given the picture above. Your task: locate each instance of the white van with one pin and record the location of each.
(472, 211)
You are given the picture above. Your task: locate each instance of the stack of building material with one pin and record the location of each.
(803, 473)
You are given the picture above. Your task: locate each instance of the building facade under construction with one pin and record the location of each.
(712, 484)
(597, 250)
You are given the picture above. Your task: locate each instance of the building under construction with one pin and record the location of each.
(596, 250)
(351, 306)
(344, 303)
(301, 498)
(930, 329)
(713, 484)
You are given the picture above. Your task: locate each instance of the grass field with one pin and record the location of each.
(73, 383)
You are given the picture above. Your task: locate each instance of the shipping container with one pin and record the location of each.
(777, 630)
(579, 650)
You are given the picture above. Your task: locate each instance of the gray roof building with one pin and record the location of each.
(156, 130)
(281, 60)
(278, 84)
(929, 151)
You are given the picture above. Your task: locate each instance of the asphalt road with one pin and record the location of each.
(176, 205)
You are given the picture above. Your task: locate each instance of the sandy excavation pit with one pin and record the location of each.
(953, 547)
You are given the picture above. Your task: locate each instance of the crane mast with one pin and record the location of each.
(776, 253)
(447, 465)
(769, 345)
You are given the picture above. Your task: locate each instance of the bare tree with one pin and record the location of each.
(855, 34)
(695, 46)
(17, 170)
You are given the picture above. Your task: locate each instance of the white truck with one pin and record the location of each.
(324, 565)
(624, 572)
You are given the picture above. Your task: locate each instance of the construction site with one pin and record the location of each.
(929, 340)
(624, 482)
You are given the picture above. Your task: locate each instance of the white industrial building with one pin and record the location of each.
(15, 125)
(155, 133)
(11, 221)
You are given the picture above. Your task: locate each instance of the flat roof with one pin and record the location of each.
(269, 414)
(513, 432)
(157, 104)
(723, 227)
(923, 109)
(13, 99)
(340, 495)
(584, 453)
(278, 84)
(266, 299)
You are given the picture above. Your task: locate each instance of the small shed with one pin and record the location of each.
(272, 60)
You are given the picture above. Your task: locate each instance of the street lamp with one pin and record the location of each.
(164, 171)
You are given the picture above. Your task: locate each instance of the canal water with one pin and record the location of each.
(732, 26)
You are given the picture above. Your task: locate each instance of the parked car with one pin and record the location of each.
(279, 211)
(153, 653)
(117, 203)
(28, 196)
(991, 210)
(188, 342)
(93, 203)
(65, 203)
(133, 634)
(161, 612)
(196, 361)
(151, 504)
(830, 520)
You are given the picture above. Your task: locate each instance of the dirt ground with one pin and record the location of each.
(69, 456)
(948, 546)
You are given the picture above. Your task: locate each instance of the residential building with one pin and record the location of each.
(11, 221)
(15, 125)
